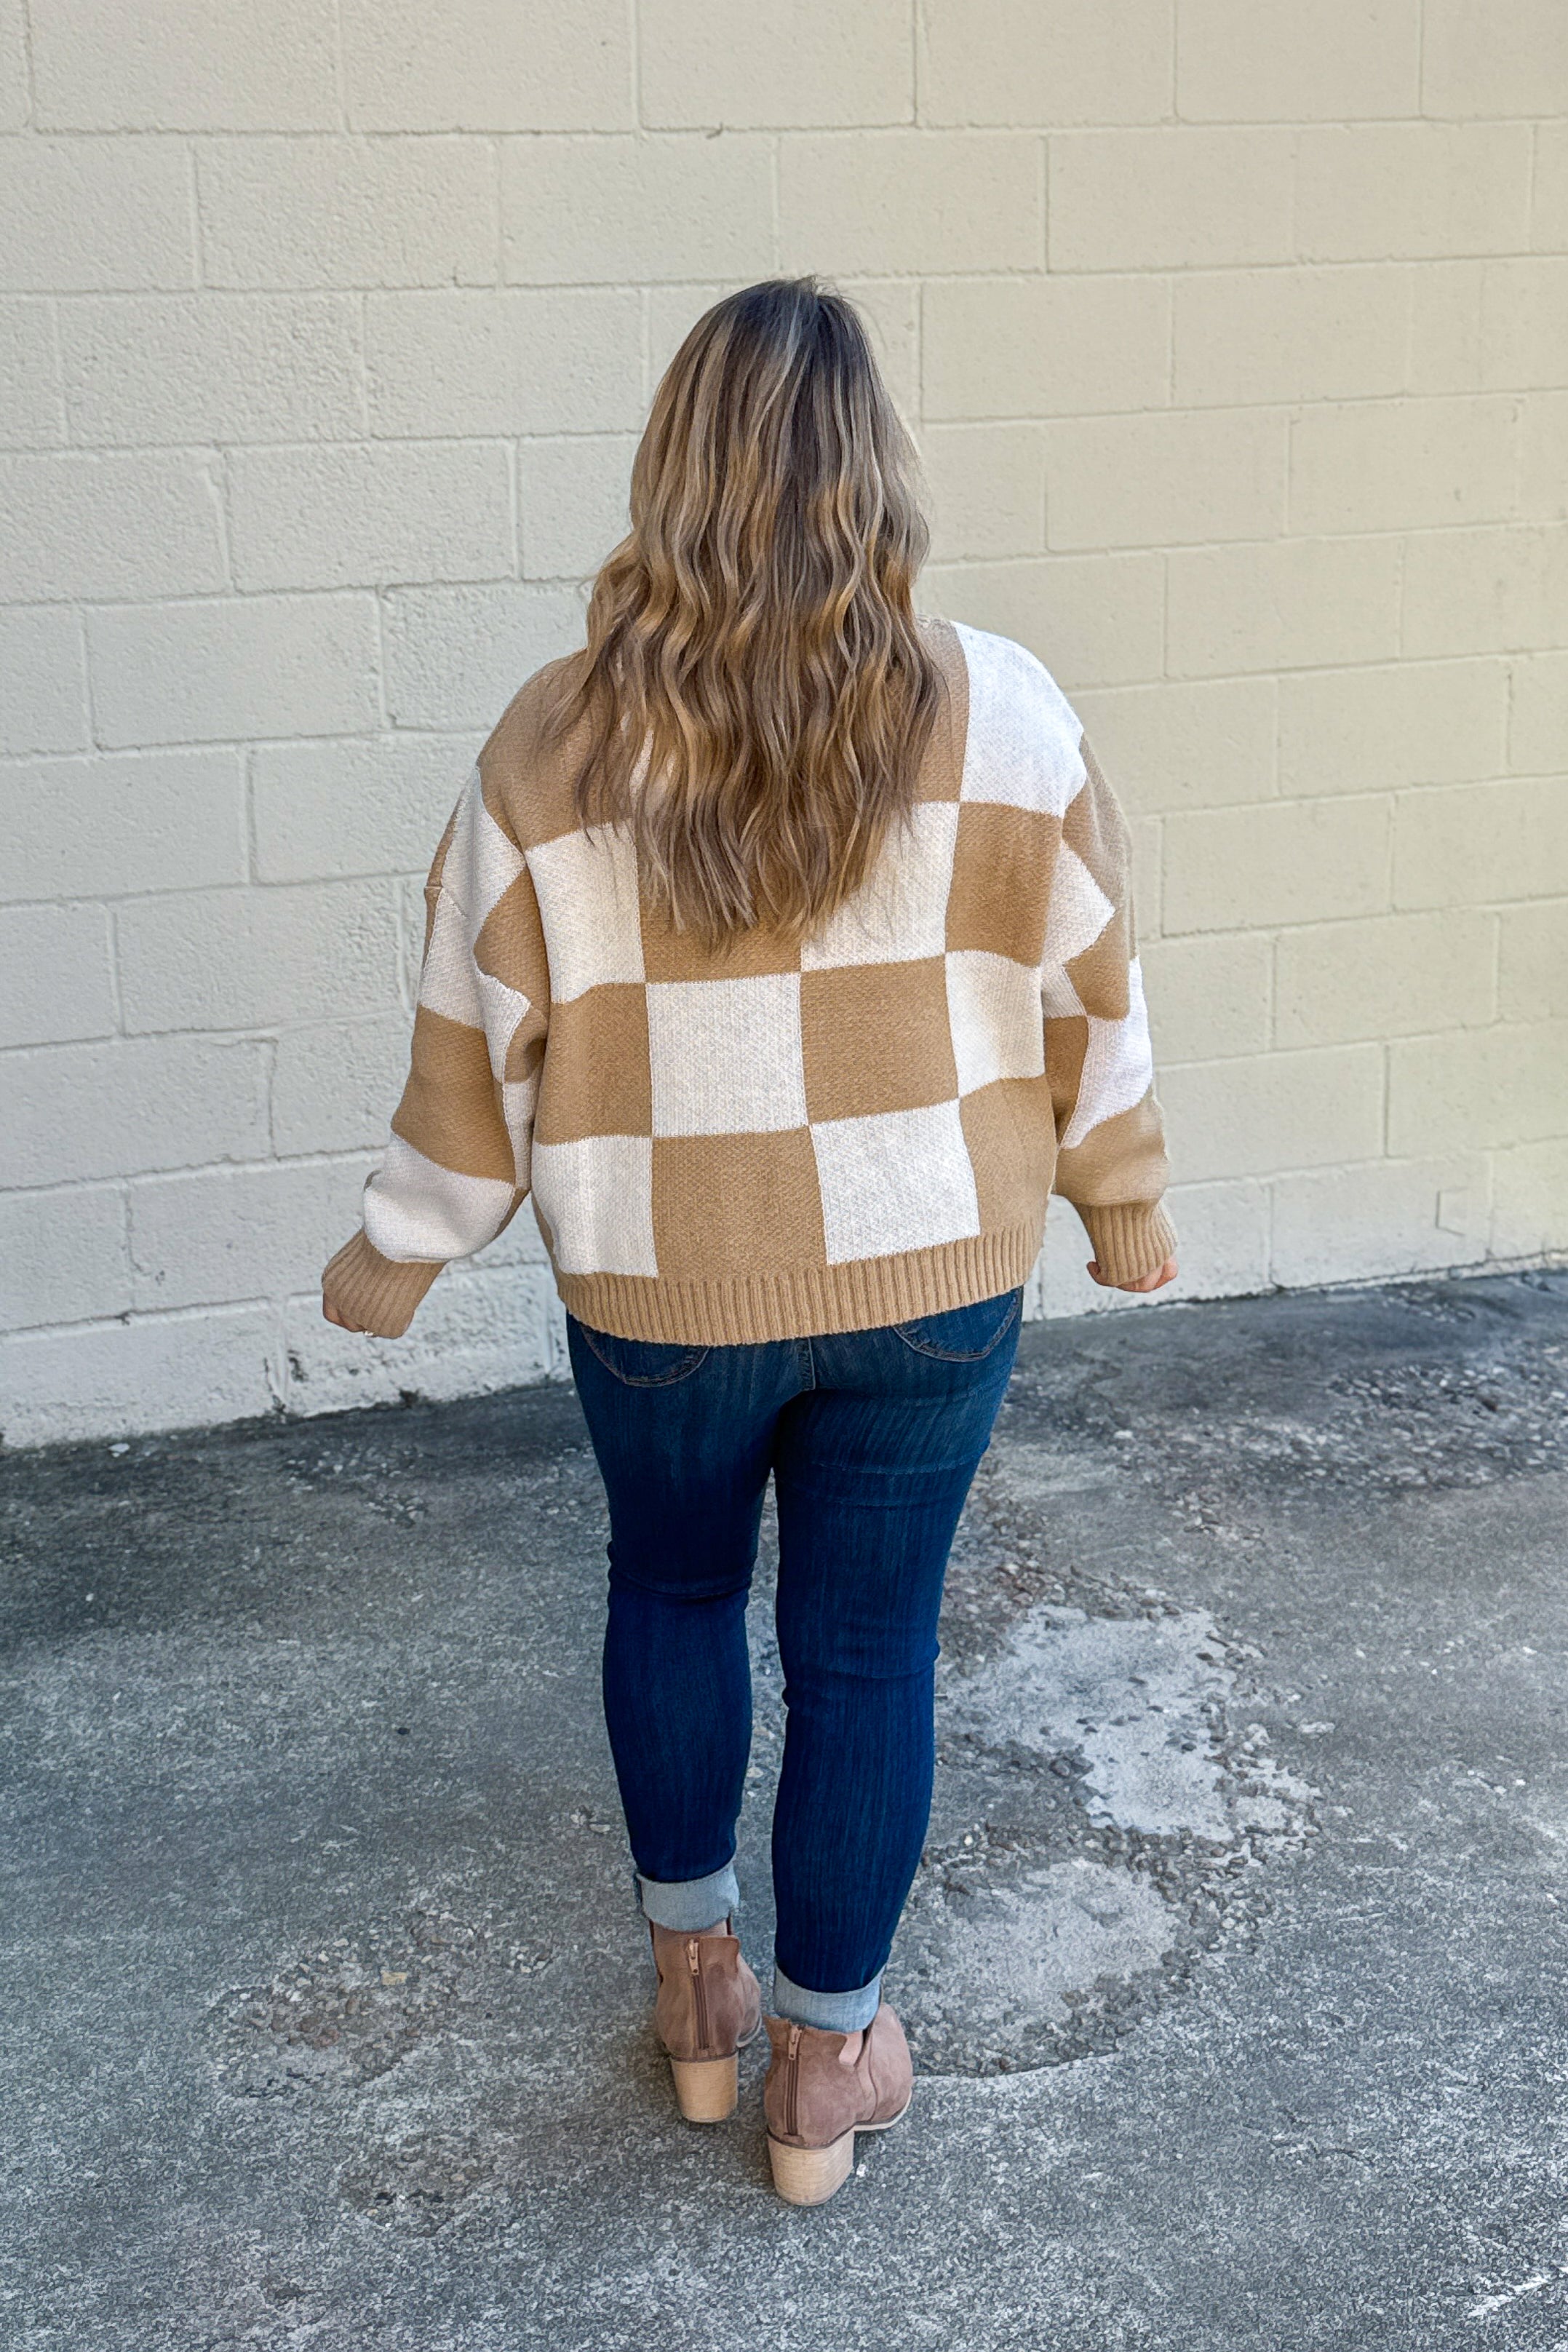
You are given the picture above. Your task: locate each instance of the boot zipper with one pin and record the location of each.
(792, 2086)
(694, 1961)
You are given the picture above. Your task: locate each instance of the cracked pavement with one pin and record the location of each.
(1235, 1970)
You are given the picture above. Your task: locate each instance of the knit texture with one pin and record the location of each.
(780, 1138)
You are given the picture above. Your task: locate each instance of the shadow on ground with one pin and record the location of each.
(1234, 1969)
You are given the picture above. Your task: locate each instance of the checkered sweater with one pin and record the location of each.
(778, 1139)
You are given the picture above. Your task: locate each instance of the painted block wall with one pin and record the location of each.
(1236, 342)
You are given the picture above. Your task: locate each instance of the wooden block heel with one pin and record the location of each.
(810, 2176)
(706, 2089)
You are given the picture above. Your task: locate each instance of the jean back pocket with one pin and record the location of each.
(643, 1363)
(962, 1335)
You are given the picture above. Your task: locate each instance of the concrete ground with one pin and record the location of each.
(1235, 1970)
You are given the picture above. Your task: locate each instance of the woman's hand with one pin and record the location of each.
(342, 1322)
(1157, 1281)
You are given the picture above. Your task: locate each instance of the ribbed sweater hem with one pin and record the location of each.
(742, 1310)
(1130, 1239)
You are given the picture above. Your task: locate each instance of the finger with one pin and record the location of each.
(1146, 1282)
(1157, 1281)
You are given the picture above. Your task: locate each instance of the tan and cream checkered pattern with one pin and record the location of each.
(780, 1138)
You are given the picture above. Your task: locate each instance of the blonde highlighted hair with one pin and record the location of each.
(754, 693)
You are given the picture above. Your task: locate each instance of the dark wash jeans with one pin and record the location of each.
(872, 1438)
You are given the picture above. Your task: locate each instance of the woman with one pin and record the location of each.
(782, 945)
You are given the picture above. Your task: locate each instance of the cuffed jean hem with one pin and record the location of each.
(829, 2012)
(686, 1905)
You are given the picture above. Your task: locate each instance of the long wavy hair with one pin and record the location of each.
(754, 693)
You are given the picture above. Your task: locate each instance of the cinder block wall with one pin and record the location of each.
(1236, 340)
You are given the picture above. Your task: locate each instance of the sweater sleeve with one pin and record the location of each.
(458, 1162)
(1110, 1152)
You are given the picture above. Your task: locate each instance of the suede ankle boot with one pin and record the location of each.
(708, 2004)
(821, 2090)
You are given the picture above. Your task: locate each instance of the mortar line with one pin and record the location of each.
(198, 248)
(29, 65)
(775, 171)
(339, 69)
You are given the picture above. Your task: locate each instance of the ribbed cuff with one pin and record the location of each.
(1131, 1238)
(375, 1292)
